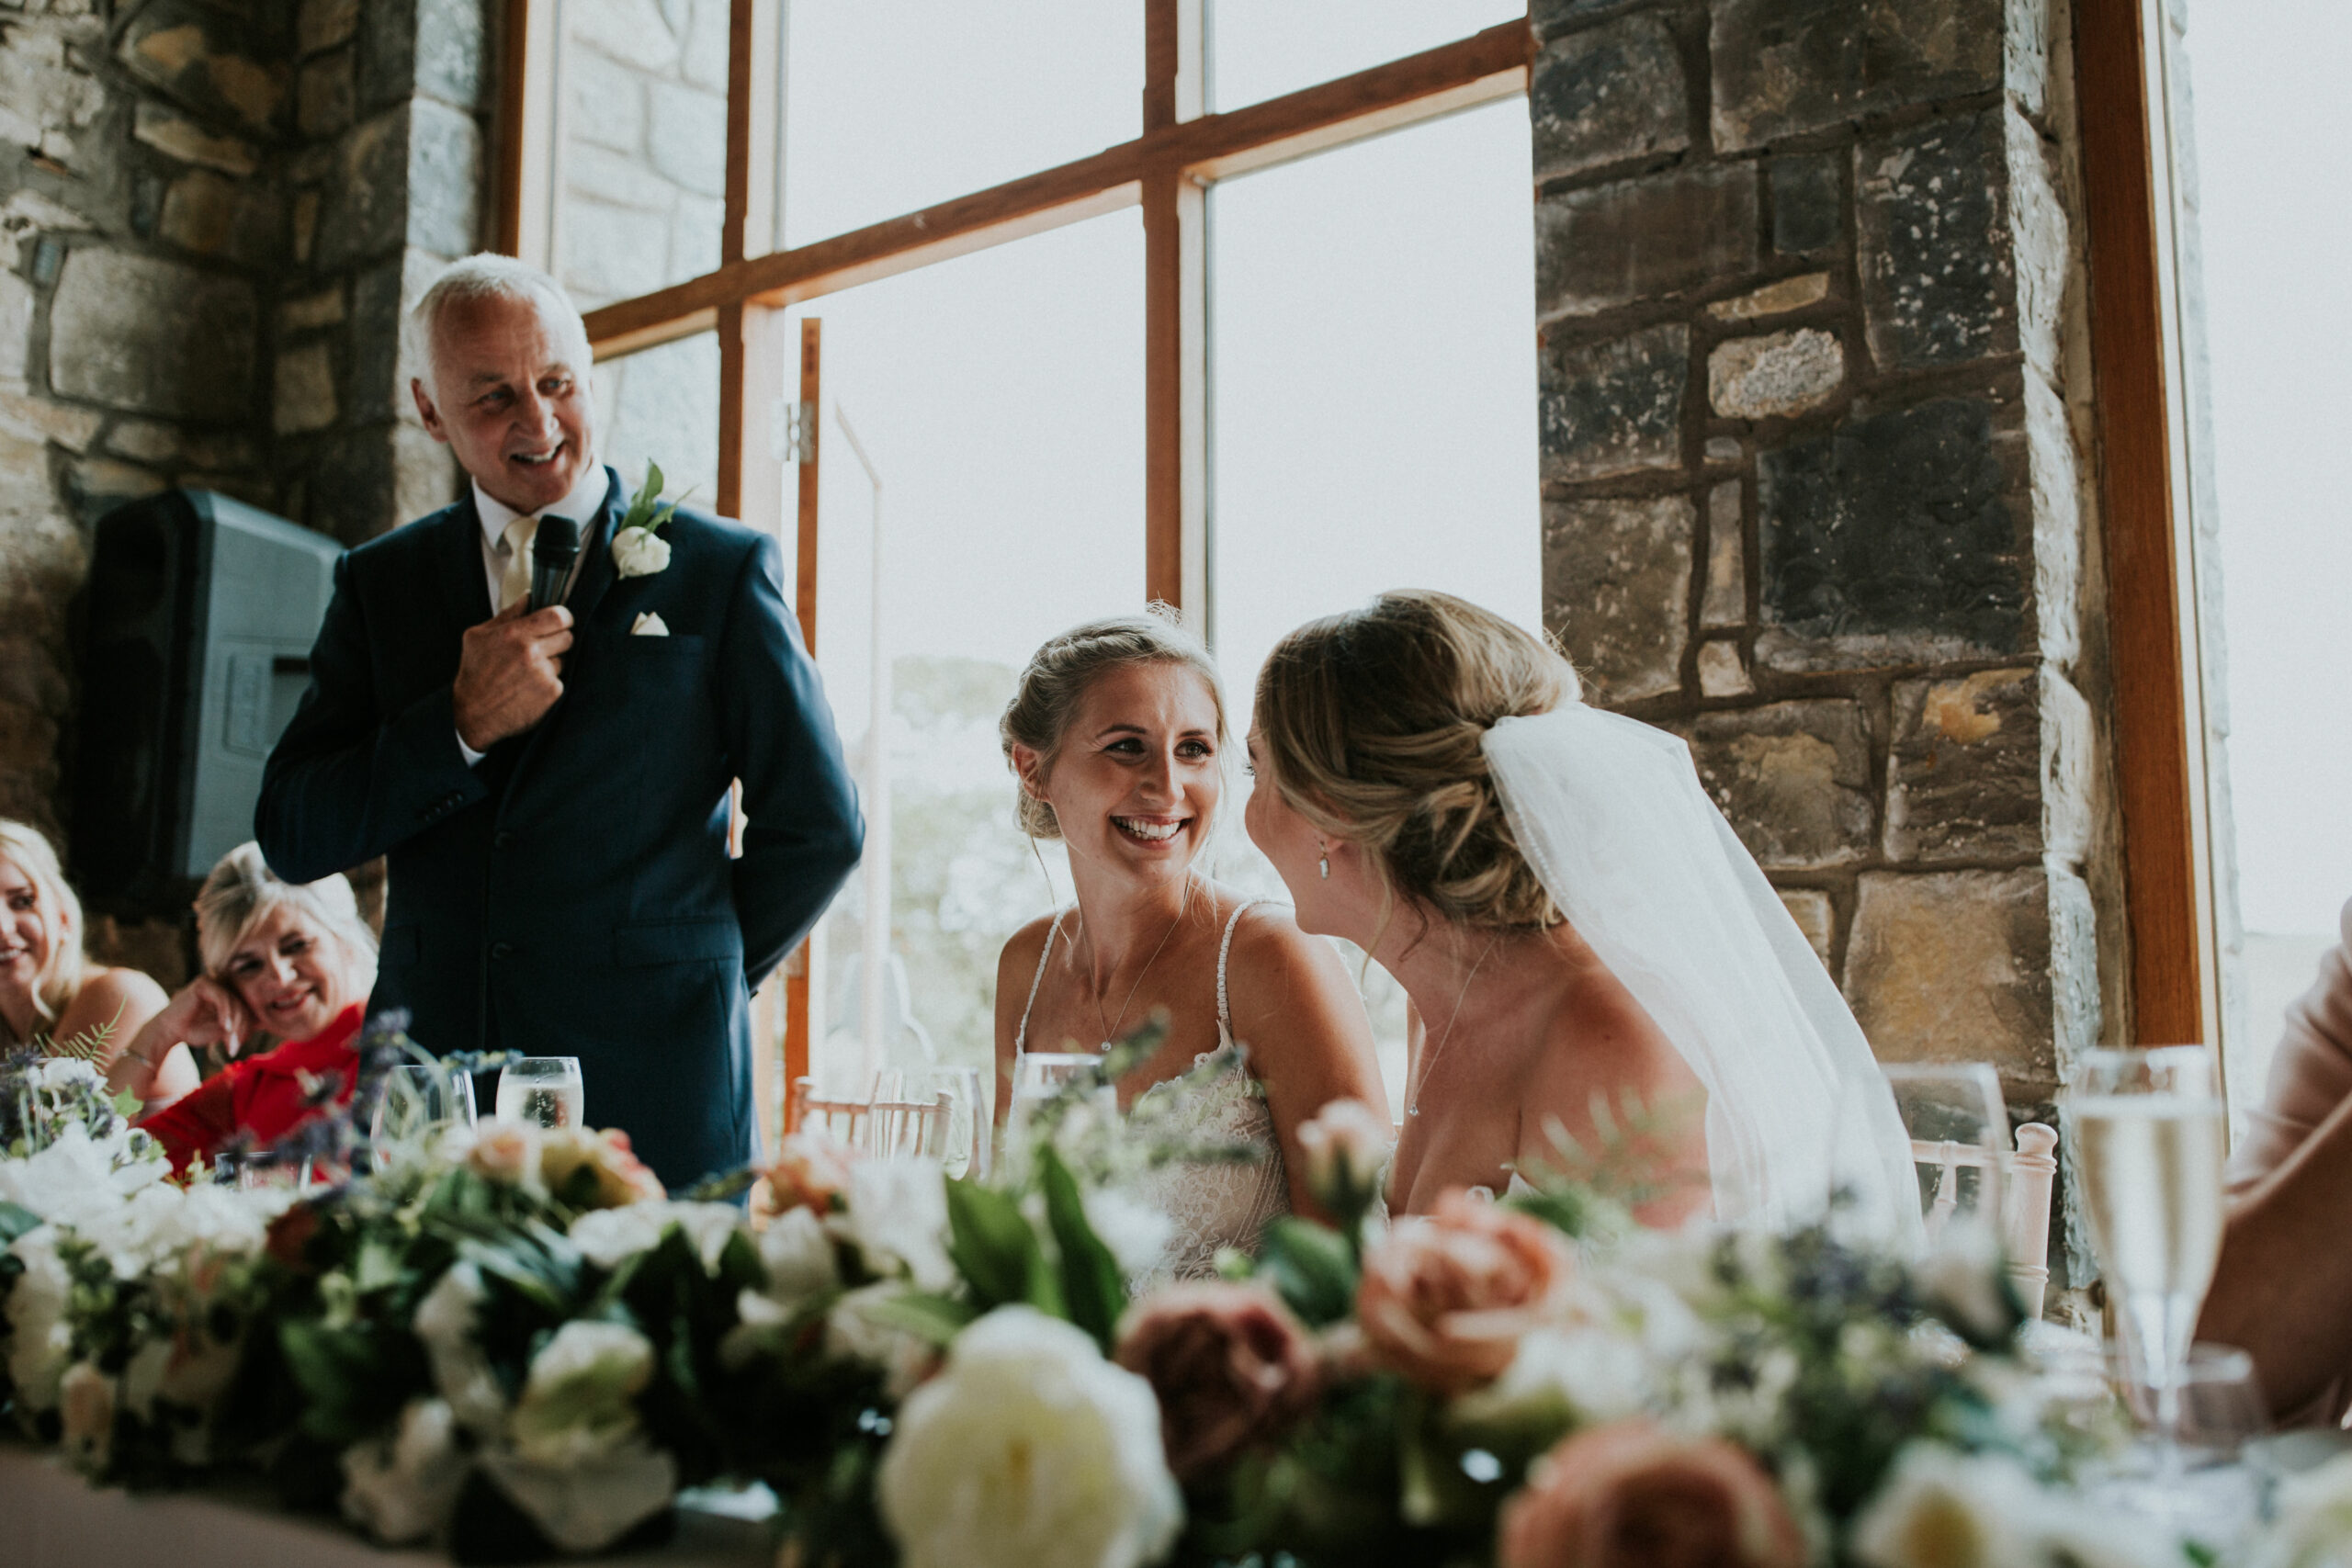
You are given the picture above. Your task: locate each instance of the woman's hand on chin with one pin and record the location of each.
(206, 1012)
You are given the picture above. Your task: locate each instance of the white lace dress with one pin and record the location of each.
(1219, 1104)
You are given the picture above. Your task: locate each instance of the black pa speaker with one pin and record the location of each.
(199, 619)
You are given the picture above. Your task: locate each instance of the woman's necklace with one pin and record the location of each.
(1108, 1037)
(1428, 1063)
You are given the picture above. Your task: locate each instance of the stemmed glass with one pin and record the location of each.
(2146, 1125)
(1959, 1141)
(937, 1112)
(1046, 1084)
(546, 1091)
(417, 1100)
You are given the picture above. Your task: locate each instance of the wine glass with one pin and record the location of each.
(937, 1113)
(546, 1091)
(417, 1100)
(1959, 1141)
(1046, 1084)
(2147, 1134)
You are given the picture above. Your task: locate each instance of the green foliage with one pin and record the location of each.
(647, 510)
(997, 1250)
(1093, 1291)
(1312, 1268)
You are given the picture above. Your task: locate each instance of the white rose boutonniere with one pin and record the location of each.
(638, 548)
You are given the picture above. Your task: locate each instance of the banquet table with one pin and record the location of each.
(51, 1518)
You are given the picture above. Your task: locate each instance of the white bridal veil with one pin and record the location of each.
(1610, 814)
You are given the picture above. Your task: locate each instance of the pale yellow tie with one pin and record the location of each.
(514, 582)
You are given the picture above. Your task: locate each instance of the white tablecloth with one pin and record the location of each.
(51, 1517)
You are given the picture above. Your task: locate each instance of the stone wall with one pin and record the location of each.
(1814, 424)
(208, 216)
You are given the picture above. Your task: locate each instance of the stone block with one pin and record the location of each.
(609, 253)
(29, 417)
(44, 92)
(607, 103)
(425, 476)
(305, 397)
(1793, 779)
(1816, 917)
(98, 485)
(1963, 779)
(621, 179)
(366, 211)
(1808, 203)
(705, 61)
(444, 183)
(1894, 540)
(152, 336)
(1608, 95)
(29, 214)
(199, 212)
(1939, 286)
(1777, 376)
(349, 493)
(1724, 602)
(173, 133)
(1613, 407)
(686, 133)
(637, 31)
(1723, 449)
(309, 312)
(323, 24)
(1722, 673)
(1783, 68)
(377, 387)
(2070, 788)
(1644, 239)
(1617, 590)
(326, 94)
(2040, 250)
(1956, 967)
(1773, 299)
(694, 235)
(387, 45)
(450, 41)
(144, 440)
(16, 329)
(303, 228)
(189, 51)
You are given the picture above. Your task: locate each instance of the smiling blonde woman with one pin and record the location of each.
(48, 988)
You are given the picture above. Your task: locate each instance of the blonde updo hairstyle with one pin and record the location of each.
(241, 891)
(1059, 674)
(60, 976)
(1371, 724)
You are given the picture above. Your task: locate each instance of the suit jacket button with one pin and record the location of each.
(502, 950)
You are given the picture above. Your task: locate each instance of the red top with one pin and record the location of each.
(260, 1095)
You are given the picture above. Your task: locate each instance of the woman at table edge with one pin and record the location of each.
(2282, 1291)
(48, 988)
(288, 961)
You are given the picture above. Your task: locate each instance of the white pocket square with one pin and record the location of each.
(648, 624)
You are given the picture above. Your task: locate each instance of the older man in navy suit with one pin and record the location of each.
(551, 785)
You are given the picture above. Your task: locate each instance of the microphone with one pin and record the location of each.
(554, 548)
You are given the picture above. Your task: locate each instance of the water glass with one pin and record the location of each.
(1959, 1141)
(419, 1101)
(2146, 1130)
(937, 1113)
(546, 1091)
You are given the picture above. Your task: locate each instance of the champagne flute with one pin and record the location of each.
(2147, 1130)
(546, 1091)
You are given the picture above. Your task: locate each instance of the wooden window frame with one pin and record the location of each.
(2152, 605)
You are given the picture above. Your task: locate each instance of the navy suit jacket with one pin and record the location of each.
(572, 895)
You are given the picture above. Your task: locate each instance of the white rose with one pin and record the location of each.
(1347, 1143)
(1134, 1231)
(898, 1219)
(640, 552)
(1941, 1508)
(39, 1341)
(2313, 1520)
(1564, 1377)
(579, 1400)
(59, 1071)
(401, 1488)
(1029, 1451)
(798, 1255)
(445, 1326)
(855, 1332)
(586, 1507)
(609, 1237)
(85, 1406)
(72, 1177)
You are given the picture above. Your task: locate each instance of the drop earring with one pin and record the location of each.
(1323, 861)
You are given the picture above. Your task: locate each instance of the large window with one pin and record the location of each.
(1032, 251)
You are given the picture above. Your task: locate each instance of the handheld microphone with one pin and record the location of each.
(554, 548)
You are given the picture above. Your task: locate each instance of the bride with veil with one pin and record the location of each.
(1594, 959)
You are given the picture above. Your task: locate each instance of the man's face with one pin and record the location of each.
(510, 396)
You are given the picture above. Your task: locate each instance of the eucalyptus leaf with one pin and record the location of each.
(997, 1252)
(1093, 1290)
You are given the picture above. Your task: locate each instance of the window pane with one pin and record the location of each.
(2276, 315)
(1000, 397)
(662, 404)
(891, 105)
(1263, 49)
(641, 136)
(1373, 397)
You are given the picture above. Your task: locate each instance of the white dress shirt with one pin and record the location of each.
(584, 505)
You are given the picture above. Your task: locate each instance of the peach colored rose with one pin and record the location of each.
(1229, 1363)
(1632, 1495)
(621, 1177)
(809, 1172)
(506, 1154)
(1347, 1145)
(1446, 1295)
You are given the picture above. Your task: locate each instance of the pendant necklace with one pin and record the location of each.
(1108, 1038)
(1428, 1063)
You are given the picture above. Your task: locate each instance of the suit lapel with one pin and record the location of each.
(464, 585)
(595, 580)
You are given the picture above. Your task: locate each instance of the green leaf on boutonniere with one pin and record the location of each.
(647, 510)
